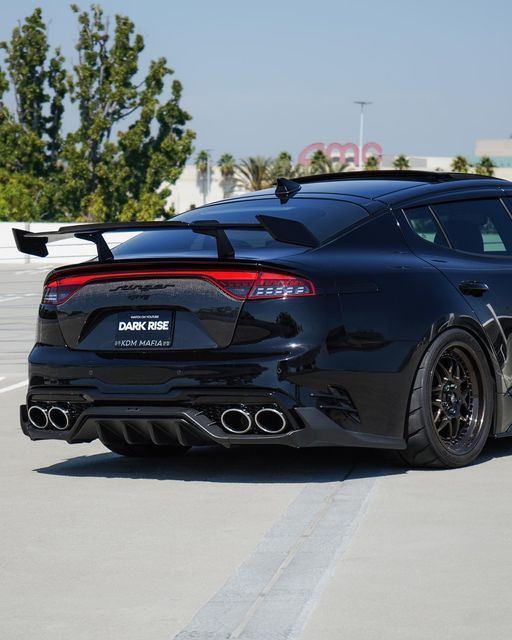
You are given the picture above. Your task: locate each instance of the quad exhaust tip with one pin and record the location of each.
(240, 421)
(270, 420)
(38, 417)
(59, 418)
(236, 421)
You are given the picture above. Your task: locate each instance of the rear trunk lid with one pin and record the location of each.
(141, 308)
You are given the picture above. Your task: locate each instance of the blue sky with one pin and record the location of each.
(269, 76)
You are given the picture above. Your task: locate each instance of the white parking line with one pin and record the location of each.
(9, 297)
(31, 269)
(11, 387)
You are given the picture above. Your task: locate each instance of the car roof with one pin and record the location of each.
(387, 186)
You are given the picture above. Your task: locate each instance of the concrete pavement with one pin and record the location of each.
(432, 559)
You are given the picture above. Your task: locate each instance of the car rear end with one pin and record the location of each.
(120, 351)
(167, 344)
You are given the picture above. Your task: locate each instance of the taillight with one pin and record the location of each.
(254, 286)
(59, 291)
(242, 285)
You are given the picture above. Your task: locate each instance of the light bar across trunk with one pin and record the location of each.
(240, 284)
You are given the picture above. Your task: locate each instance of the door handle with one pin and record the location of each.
(473, 288)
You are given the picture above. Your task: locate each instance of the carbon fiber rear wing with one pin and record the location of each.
(281, 229)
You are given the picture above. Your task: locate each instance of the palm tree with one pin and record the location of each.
(460, 164)
(253, 173)
(283, 167)
(203, 179)
(372, 163)
(226, 165)
(202, 159)
(485, 167)
(401, 162)
(320, 163)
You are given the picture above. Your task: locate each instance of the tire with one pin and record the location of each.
(451, 405)
(145, 450)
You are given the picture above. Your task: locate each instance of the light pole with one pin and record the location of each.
(362, 103)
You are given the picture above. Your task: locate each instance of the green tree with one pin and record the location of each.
(372, 163)
(485, 167)
(282, 167)
(39, 84)
(320, 163)
(23, 196)
(203, 173)
(460, 164)
(31, 138)
(254, 173)
(132, 133)
(226, 165)
(401, 162)
(119, 178)
(202, 162)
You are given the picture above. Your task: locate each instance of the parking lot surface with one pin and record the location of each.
(251, 543)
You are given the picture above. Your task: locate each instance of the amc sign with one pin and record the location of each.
(344, 153)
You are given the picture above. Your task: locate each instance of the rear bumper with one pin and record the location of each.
(187, 426)
(114, 391)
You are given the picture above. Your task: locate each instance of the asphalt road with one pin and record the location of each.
(256, 544)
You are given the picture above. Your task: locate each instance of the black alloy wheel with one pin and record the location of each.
(452, 403)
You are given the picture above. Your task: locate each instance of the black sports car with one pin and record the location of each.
(368, 309)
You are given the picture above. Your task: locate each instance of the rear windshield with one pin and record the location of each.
(323, 217)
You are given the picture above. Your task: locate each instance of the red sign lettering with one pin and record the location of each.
(344, 153)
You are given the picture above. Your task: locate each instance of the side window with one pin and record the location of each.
(477, 226)
(424, 224)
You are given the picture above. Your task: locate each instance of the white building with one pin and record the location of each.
(194, 189)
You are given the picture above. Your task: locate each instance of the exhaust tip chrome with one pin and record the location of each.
(38, 417)
(270, 420)
(236, 421)
(59, 418)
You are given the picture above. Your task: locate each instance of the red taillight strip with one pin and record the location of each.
(221, 275)
(254, 280)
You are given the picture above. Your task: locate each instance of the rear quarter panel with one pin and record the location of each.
(392, 305)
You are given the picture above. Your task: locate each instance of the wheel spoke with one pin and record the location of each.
(456, 398)
(443, 424)
(446, 375)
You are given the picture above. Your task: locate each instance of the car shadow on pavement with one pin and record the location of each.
(255, 464)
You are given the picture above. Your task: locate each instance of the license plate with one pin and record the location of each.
(144, 330)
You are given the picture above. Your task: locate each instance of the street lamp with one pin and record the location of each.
(362, 103)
